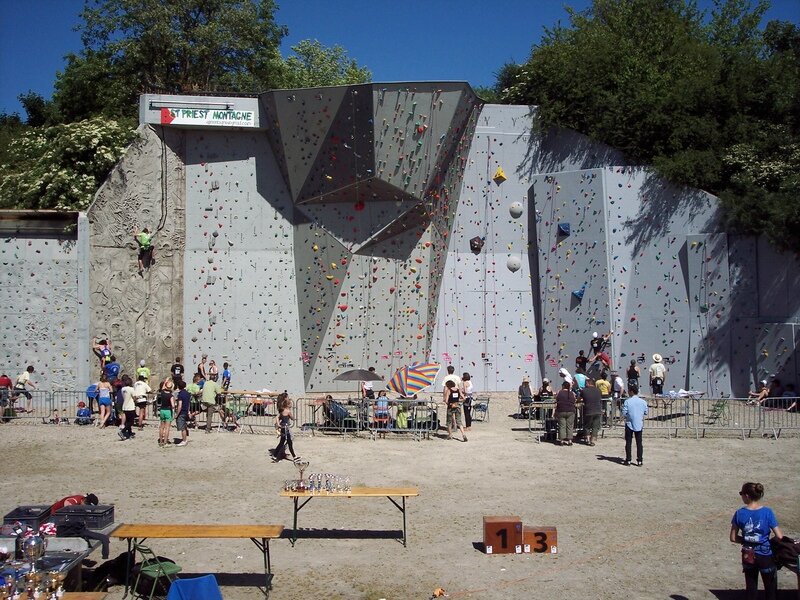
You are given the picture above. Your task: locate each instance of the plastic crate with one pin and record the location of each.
(31, 515)
(92, 517)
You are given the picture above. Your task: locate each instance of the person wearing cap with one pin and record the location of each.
(143, 371)
(658, 375)
(599, 342)
(84, 414)
(759, 396)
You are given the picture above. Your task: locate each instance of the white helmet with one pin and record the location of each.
(595, 334)
(141, 363)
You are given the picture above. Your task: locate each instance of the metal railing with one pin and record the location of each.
(29, 406)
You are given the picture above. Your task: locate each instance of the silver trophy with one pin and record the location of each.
(301, 465)
(33, 548)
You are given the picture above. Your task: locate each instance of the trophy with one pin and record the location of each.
(301, 465)
(33, 548)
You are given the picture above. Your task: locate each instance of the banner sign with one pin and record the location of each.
(208, 117)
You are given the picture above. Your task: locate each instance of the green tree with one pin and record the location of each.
(169, 46)
(313, 65)
(710, 102)
(61, 167)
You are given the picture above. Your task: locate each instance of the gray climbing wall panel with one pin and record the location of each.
(39, 300)
(239, 297)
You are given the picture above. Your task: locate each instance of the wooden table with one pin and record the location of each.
(260, 535)
(356, 492)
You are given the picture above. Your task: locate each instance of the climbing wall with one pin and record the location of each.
(571, 245)
(239, 291)
(142, 315)
(374, 173)
(39, 303)
(484, 318)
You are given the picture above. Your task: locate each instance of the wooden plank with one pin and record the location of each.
(359, 492)
(149, 530)
(84, 595)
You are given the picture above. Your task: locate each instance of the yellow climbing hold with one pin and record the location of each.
(499, 175)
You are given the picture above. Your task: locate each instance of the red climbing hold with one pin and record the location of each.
(343, 307)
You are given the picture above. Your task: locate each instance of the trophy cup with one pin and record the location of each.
(33, 548)
(301, 465)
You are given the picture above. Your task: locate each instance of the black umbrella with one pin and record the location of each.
(358, 375)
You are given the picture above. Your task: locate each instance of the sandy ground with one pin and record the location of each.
(659, 531)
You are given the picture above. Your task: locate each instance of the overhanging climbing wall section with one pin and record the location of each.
(239, 271)
(572, 291)
(374, 173)
(39, 300)
(485, 322)
(143, 315)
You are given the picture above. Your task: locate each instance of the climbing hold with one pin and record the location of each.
(499, 176)
(514, 264)
(563, 229)
(515, 209)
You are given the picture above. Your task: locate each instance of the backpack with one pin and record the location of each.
(785, 552)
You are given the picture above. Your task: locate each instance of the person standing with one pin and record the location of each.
(592, 410)
(451, 376)
(140, 391)
(658, 375)
(367, 390)
(104, 390)
(283, 422)
(581, 362)
(166, 407)
(452, 399)
(182, 418)
(468, 389)
(750, 527)
(633, 373)
(213, 370)
(209, 400)
(226, 377)
(201, 367)
(21, 387)
(176, 370)
(143, 371)
(565, 413)
(634, 410)
(128, 408)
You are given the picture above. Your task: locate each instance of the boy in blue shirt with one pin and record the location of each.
(226, 377)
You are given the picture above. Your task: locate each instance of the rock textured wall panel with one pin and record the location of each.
(240, 304)
(39, 306)
(143, 315)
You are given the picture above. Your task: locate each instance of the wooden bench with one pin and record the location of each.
(260, 535)
(356, 492)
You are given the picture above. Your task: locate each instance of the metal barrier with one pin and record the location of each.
(725, 414)
(664, 414)
(66, 403)
(27, 406)
(414, 417)
(780, 414)
(541, 420)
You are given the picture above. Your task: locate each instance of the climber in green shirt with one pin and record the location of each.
(144, 239)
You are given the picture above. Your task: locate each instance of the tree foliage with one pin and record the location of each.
(313, 65)
(61, 166)
(711, 101)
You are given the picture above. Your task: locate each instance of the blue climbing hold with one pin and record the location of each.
(563, 229)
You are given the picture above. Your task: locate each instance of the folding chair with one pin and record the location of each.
(480, 408)
(152, 567)
(196, 588)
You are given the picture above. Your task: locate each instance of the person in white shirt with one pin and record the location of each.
(140, 391)
(366, 387)
(658, 374)
(451, 376)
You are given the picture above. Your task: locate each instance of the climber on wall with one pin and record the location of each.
(144, 239)
(600, 359)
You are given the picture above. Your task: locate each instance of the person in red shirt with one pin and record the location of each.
(73, 500)
(5, 385)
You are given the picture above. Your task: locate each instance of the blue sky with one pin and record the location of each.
(399, 41)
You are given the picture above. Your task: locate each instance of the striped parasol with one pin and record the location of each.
(414, 378)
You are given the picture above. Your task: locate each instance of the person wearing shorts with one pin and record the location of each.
(140, 391)
(104, 390)
(452, 398)
(182, 418)
(166, 406)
